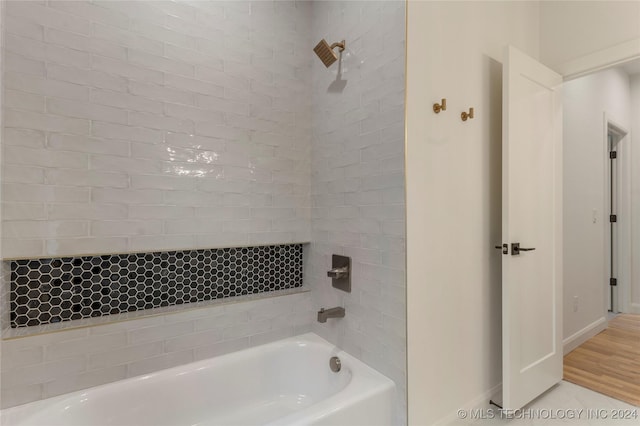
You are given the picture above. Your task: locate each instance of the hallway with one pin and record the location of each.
(609, 363)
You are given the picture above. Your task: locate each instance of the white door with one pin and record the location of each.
(532, 218)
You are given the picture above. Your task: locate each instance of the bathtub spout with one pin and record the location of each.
(323, 313)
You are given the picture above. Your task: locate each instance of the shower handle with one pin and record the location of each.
(342, 272)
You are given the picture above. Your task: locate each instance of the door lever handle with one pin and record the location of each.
(516, 249)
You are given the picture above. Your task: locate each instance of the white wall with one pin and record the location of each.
(135, 126)
(586, 100)
(454, 198)
(358, 182)
(635, 191)
(571, 29)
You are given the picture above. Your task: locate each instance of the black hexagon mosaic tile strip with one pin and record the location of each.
(46, 291)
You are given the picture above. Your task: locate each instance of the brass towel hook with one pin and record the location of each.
(466, 115)
(440, 107)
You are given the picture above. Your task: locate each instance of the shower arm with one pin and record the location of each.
(339, 44)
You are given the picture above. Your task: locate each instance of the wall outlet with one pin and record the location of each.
(575, 303)
(594, 216)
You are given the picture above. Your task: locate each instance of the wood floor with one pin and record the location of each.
(609, 363)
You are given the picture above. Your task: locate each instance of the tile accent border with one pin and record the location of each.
(52, 290)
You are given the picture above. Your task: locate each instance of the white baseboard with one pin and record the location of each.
(481, 401)
(576, 339)
(634, 308)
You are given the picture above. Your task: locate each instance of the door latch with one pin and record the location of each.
(504, 248)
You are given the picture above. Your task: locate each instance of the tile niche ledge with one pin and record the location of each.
(16, 333)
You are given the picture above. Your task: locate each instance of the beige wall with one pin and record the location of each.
(453, 190)
(454, 198)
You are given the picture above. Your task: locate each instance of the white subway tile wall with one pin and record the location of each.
(233, 133)
(357, 180)
(51, 364)
(144, 125)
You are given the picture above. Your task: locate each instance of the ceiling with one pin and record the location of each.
(632, 67)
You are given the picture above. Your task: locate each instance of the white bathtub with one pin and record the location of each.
(288, 382)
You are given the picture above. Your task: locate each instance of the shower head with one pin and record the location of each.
(326, 53)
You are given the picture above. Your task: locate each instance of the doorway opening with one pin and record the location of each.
(601, 123)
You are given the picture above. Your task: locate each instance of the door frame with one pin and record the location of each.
(600, 60)
(623, 203)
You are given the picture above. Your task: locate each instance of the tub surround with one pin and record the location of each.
(136, 126)
(161, 126)
(55, 363)
(357, 191)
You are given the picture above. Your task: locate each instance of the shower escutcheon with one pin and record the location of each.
(340, 272)
(326, 53)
